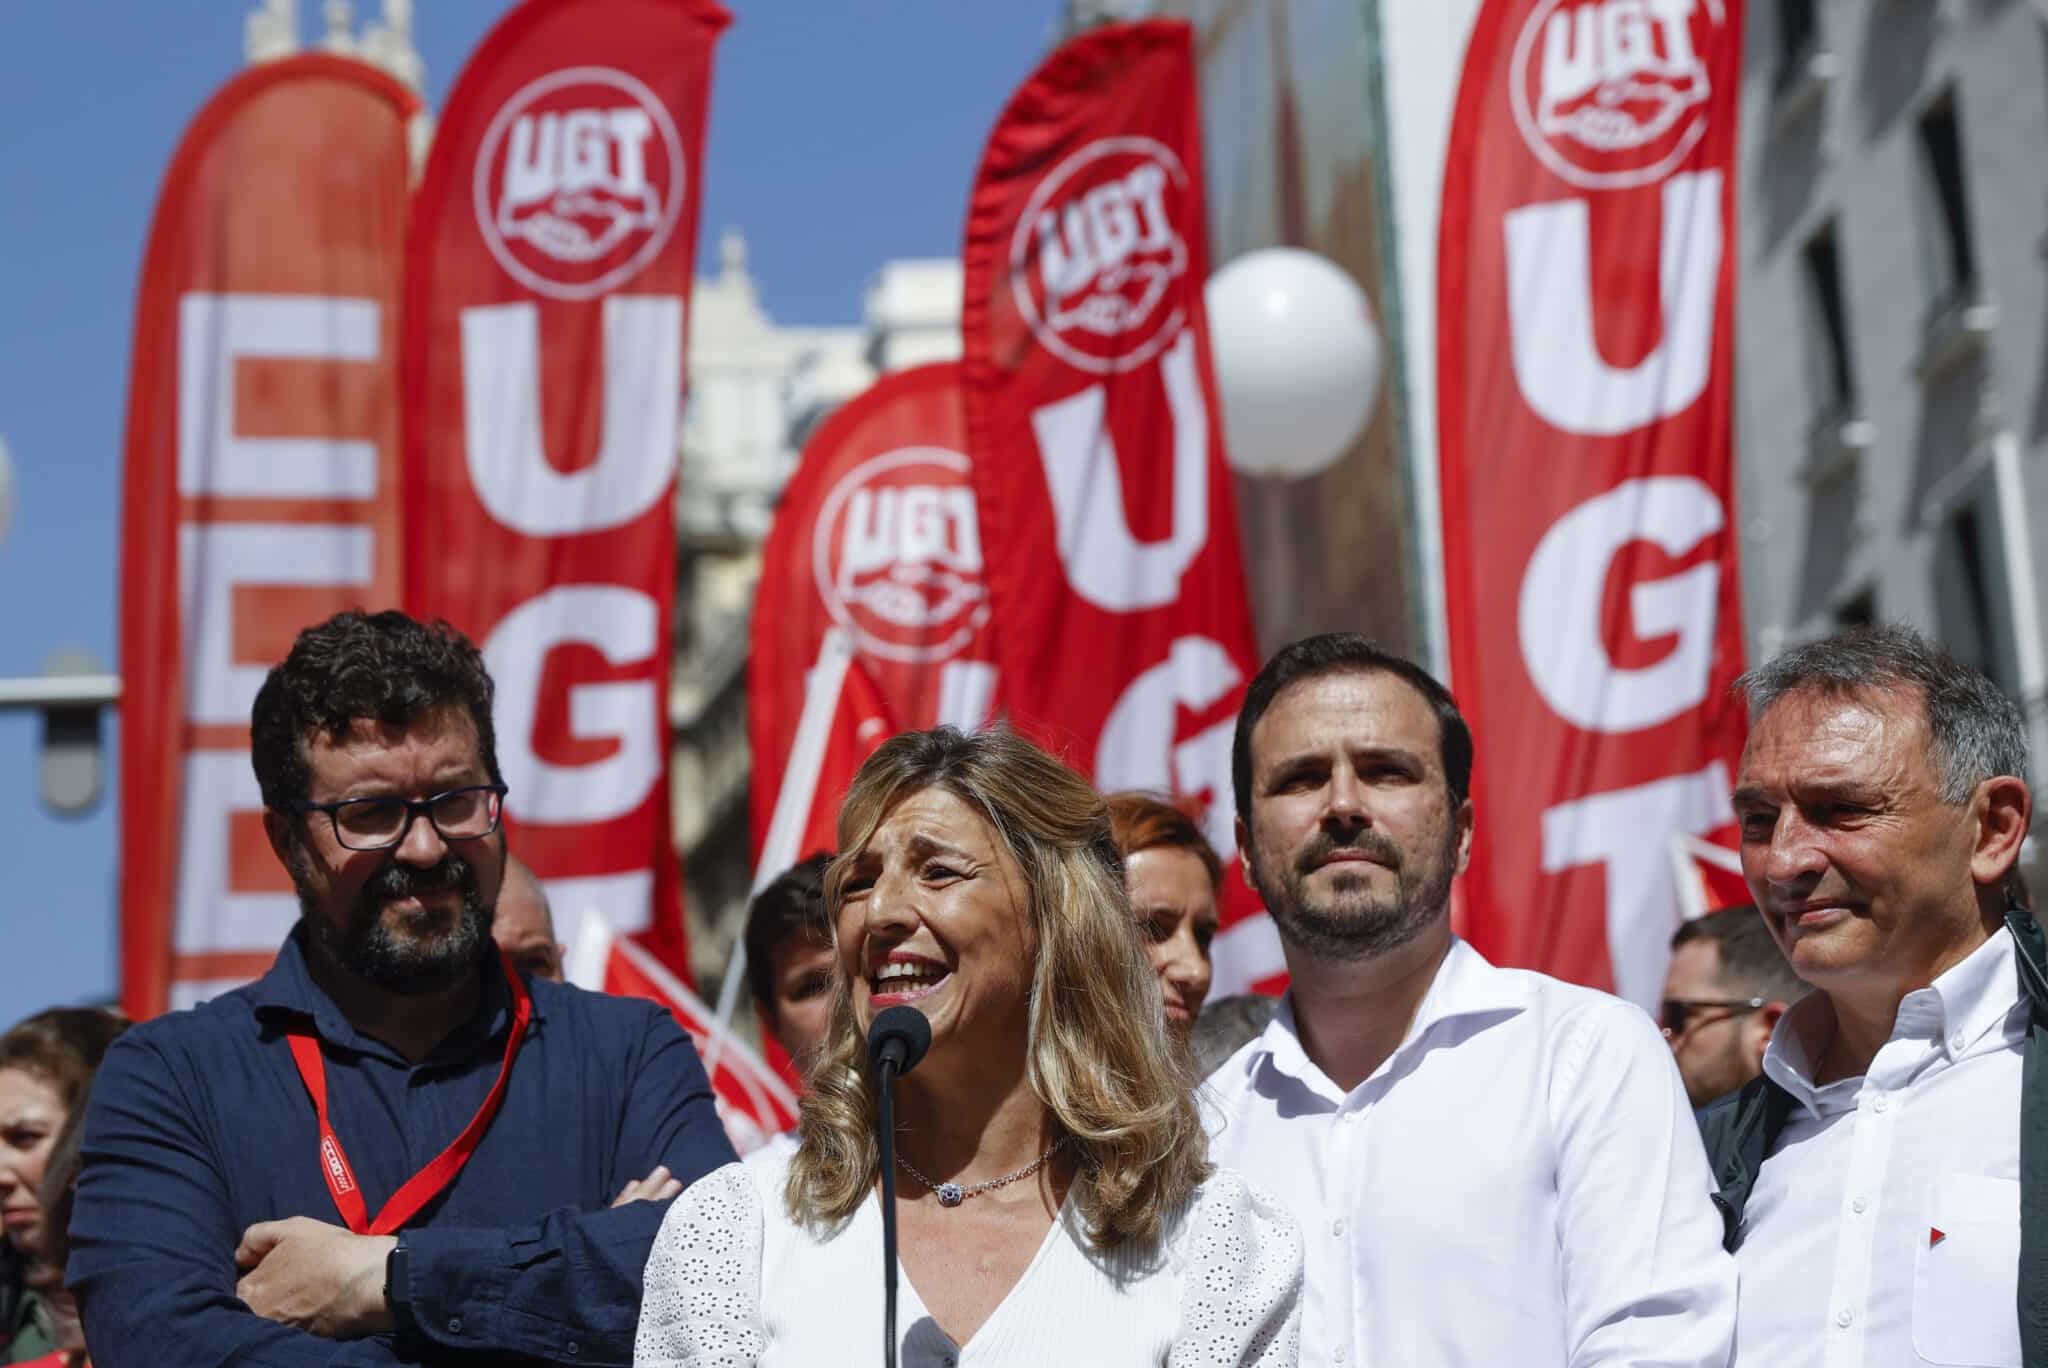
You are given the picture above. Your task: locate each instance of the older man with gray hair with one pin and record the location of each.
(1885, 1181)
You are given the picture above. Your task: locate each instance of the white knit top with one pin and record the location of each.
(733, 1281)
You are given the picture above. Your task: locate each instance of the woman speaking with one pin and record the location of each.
(1054, 1200)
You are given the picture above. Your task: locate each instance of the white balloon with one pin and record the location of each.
(1298, 360)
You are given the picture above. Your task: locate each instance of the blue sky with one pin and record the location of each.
(841, 134)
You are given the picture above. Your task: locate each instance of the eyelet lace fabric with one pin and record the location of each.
(701, 1303)
(1222, 1290)
(1241, 1280)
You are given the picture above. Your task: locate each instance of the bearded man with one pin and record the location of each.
(393, 1147)
(1489, 1166)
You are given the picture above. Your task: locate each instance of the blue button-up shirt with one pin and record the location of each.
(199, 1126)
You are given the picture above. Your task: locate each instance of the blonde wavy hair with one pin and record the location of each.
(1098, 1053)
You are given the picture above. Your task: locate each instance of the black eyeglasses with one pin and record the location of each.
(380, 823)
(1677, 1012)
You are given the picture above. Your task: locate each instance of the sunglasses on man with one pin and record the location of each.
(1677, 1013)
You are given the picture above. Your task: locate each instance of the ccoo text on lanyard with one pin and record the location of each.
(440, 1171)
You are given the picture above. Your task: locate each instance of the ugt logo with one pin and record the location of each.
(897, 555)
(579, 182)
(1613, 93)
(1096, 259)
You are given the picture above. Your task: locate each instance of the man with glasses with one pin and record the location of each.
(393, 1147)
(1727, 986)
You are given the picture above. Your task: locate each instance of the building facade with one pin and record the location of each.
(1892, 409)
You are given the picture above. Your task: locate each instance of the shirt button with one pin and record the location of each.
(574, 1348)
(1844, 1317)
(1341, 1354)
(455, 1325)
(1859, 1206)
(1337, 1226)
(1877, 1104)
(1956, 1041)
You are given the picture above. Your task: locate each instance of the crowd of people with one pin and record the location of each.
(411, 1142)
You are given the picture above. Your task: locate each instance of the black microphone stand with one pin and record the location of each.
(896, 1042)
(888, 1081)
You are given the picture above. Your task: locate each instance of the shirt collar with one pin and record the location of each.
(1789, 1058)
(1952, 1014)
(288, 989)
(1977, 995)
(1465, 985)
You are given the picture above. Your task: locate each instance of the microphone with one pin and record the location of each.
(899, 1037)
(896, 1042)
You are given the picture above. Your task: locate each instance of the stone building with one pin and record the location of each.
(1892, 347)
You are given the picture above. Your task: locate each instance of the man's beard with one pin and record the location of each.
(377, 955)
(1352, 924)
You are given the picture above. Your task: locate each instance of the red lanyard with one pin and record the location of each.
(427, 1184)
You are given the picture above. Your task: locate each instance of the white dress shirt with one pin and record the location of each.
(1519, 1185)
(735, 1281)
(1884, 1225)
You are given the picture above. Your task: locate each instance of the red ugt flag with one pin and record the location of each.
(872, 617)
(261, 486)
(1122, 630)
(548, 279)
(1585, 337)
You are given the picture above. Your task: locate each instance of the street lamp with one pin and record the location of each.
(6, 489)
(70, 694)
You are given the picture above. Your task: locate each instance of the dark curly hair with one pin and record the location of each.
(790, 908)
(384, 667)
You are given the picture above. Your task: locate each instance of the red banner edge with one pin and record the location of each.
(804, 490)
(667, 931)
(149, 716)
(419, 262)
(1452, 450)
(981, 268)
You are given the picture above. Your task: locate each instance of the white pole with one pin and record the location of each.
(822, 687)
(6, 489)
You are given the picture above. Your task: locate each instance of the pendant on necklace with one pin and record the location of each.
(950, 1194)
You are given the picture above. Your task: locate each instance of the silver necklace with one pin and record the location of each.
(952, 1194)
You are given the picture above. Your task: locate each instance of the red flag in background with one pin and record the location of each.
(871, 616)
(1122, 627)
(753, 1099)
(548, 279)
(1585, 370)
(261, 486)
(1708, 876)
(844, 718)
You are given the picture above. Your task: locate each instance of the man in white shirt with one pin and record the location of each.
(1490, 1167)
(1883, 800)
